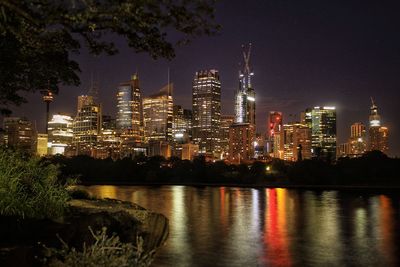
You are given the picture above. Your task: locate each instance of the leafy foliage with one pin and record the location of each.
(105, 251)
(29, 188)
(38, 36)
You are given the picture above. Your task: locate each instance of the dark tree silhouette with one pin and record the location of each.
(38, 36)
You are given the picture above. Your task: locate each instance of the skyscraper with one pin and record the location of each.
(243, 129)
(206, 103)
(109, 142)
(158, 113)
(378, 135)
(86, 128)
(383, 139)
(241, 138)
(274, 127)
(296, 142)
(60, 133)
(245, 96)
(182, 125)
(322, 121)
(19, 133)
(357, 141)
(129, 115)
(226, 122)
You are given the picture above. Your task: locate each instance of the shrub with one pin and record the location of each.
(105, 251)
(29, 187)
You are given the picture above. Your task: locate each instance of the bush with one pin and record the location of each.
(107, 251)
(29, 187)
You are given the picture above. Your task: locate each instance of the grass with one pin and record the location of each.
(29, 187)
(106, 251)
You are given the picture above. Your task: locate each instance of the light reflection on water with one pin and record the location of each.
(223, 226)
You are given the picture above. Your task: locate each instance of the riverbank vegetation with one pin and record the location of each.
(29, 187)
(372, 169)
(38, 209)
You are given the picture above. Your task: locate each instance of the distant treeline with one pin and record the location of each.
(374, 168)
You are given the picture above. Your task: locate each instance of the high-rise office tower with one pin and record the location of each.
(322, 121)
(86, 128)
(296, 142)
(241, 142)
(226, 122)
(243, 129)
(158, 115)
(378, 135)
(129, 115)
(60, 133)
(19, 133)
(206, 103)
(181, 124)
(108, 142)
(245, 105)
(274, 127)
(374, 125)
(383, 140)
(357, 130)
(358, 140)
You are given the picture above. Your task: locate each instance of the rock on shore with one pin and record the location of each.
(21, 240)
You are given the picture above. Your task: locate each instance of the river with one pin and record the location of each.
(227, 226)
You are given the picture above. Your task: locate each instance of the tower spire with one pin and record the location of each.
(93, 89)
(169, 83)
(373, 102)
(246, 58)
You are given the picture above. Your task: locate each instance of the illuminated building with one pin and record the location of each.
(60, 133)
(245, 96)
(206, 102)
(302, 145)
(129, 115)
(41, 144)
(358, 139)
(189, 151)
(306, 118)
(158, 115)
(109, 141)
(274, 127)
(159, 148)
(86, 128)
(19, 133)
(181, 125)
(296, 142)
(343, 150)
(278, 144)
(259, 146)
(383, 139)
(245, 115)
(226, 122)
(241, 146)
(322, 121)
(378, 135)
(84, 100)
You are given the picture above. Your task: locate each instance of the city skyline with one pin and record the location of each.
(291, 72)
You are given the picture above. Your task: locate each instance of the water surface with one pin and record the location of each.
(223, 226)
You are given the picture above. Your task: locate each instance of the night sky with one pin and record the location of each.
(305, 53)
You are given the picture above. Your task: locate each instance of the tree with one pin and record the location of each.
(37, 37)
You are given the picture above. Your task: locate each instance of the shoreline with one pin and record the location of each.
(255, 186)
